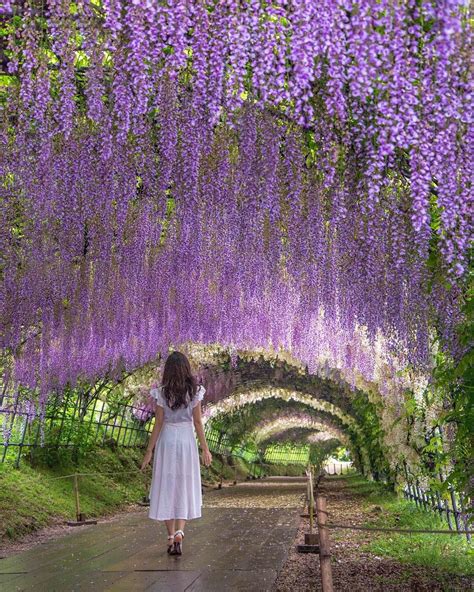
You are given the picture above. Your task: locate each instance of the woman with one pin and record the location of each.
(175, 494)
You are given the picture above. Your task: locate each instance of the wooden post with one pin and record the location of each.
(308, 495)
(324, 547)
(76, 496)
(311, 539)
(80, 518)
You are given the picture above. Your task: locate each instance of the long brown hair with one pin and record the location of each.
(178, 381)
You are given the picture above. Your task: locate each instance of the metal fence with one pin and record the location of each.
(337, 468)
(69, 421)
(298, 455)
(220, 443)
(451, 510)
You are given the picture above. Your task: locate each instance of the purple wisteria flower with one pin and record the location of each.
(278, 175)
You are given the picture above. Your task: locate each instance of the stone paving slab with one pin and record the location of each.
(236, 581)
(229, 548)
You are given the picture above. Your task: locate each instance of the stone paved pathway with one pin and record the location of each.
(239, 544)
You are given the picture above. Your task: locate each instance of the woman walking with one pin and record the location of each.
(175, 493)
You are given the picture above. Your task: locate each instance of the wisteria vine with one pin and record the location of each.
(256, 174)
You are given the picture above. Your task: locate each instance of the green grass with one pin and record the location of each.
(31, 499)
(448, 553)
(294, 470)
(225, 466)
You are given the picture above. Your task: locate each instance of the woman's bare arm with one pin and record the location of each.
(159, 418)
(197, 417)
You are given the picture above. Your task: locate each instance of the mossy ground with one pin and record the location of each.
(32, 497)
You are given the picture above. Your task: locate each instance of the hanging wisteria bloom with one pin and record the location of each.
(273, 175)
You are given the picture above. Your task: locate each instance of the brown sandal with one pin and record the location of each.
(171, 536)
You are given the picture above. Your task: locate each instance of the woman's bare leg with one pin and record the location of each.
(170, 528)
(180, 522)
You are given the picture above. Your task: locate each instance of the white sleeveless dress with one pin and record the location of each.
(175, 490)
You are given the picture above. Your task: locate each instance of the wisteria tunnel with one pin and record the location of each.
(279, 189)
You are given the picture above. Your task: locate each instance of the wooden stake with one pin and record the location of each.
(80, 518)
(311, 501)
(324, 546)
(311, 539)
(76, 495)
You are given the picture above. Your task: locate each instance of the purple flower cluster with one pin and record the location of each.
(255, 174)
(384, 83)
(6, 7)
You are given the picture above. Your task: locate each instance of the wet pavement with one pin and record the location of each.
(240, 544)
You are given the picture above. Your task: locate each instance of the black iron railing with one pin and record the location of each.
(450, 509)
(69, 422)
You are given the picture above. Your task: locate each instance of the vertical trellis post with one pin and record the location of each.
(466, 523)
(99, 421)
(13, 415)
(71, 423)
(22, 441)
(132, 431)
(455, 509)
(65, 406)
(439, 505)
(92, 413)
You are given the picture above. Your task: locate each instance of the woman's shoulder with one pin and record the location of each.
(157, 392)
(200, 391)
